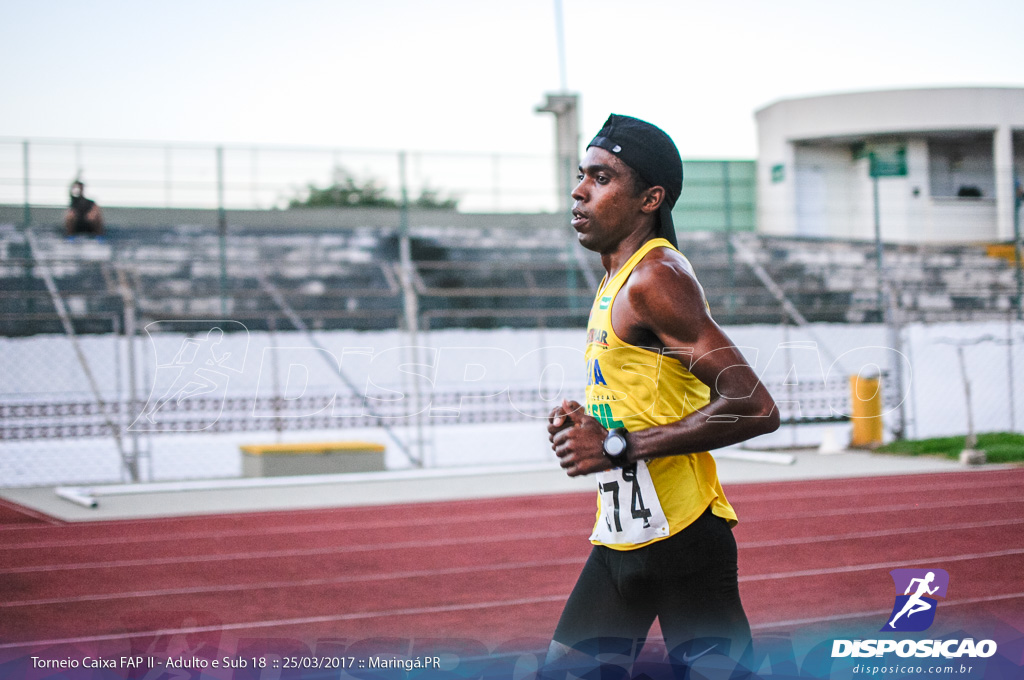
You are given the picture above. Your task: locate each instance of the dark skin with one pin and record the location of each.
(660, 307)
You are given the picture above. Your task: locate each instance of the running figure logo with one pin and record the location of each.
(914, 609)
(190, 366)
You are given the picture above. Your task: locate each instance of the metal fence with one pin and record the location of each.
(178, 400)
(717, 196)
(258, 177)
(83, 363)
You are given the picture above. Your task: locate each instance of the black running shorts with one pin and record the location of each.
(688, 581)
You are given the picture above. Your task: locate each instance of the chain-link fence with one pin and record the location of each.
(180, 399)
(968, 377)
(175, 430)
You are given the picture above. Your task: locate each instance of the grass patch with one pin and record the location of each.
(999, 447)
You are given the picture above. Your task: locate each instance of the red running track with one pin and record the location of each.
(812, 553)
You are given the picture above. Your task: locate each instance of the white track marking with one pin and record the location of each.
(418, 611)
(305, 583)
(880, 612)
(451, 518)
(234, 587)
(29, 512)
(880, 565)
(857, 535)
(330, 618)
(832, 512)
(340, 526)
(494, 517)
(867, 490)
(265, 554)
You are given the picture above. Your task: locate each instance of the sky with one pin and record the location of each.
(457, 75)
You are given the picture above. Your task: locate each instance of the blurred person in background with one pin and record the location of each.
(83, 215)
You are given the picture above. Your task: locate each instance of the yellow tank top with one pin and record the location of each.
(636, 388)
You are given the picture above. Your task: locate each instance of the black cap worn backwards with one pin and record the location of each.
(652, 154)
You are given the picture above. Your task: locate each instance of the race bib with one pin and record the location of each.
(629, 510)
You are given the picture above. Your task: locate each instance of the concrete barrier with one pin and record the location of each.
(317, 458)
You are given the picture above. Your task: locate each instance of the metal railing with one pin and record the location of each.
(717, 195)
(38, 172)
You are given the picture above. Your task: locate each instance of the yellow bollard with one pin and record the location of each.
(866, 398)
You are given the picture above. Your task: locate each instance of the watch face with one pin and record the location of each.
(613, 446)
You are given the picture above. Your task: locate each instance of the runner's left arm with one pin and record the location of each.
(667, 302)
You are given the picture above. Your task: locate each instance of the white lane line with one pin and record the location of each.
(451, 514)
(29, 512)
(430, 572)
(496, 517)
(305, 583)
(234, 587)
(347, 525)
(872, 490)
(360, 526)
(331, 618)
(403, 545)
(857, 535)
(879, 612)
(440, 572)
(451, 518)
(266, 554)
(832, 512)
(417, 611)
(880, 565)
(458, 505)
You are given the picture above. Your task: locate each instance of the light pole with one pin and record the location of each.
(888, 162)
(1018, 197)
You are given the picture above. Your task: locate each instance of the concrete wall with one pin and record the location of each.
(953, 137)
(935, 401)
(867, 113)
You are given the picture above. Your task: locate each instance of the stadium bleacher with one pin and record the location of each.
(464, 277)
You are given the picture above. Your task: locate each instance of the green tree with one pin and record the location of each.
(346, 191)
(432, 199)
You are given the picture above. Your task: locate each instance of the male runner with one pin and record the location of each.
(664, 385)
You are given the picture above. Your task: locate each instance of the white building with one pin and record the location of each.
(949, 156)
